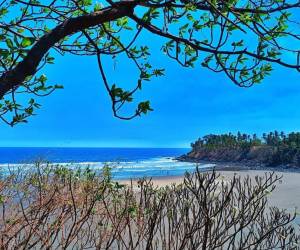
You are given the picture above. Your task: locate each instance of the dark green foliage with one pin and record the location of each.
(284, 148)
(227, 140)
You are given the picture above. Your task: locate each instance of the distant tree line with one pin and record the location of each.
(285, 147)
(240, 140)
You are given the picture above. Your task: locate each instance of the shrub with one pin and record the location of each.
(54, 207)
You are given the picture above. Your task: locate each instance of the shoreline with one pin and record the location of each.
(240, 166)
(220, 167)
(285, 196)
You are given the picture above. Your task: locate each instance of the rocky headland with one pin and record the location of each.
(273, 150)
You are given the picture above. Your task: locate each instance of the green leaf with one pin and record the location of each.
(57, 86)
(9, 43)
(158, 72)
(97, 7)
(1, 199)
(144, 107)
(42, 78)
(27, 41)
(50, 59)
(3, 11)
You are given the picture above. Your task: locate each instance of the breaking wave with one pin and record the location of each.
(154, 167)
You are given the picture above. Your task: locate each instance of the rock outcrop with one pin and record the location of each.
(255, 155)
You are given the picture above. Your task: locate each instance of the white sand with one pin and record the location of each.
(285, 196)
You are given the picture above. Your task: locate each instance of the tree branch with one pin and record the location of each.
(27, 67)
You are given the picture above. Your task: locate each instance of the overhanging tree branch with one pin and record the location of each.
(241, 39)
(27, 67)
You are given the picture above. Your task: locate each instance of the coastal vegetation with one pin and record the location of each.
(240, 140)
(272, 149)
(53, 207)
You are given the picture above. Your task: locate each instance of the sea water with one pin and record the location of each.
(125, 163)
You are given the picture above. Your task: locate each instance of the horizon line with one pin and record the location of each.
(136, 147)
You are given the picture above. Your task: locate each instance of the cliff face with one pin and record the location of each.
(274, 149)
(254, 155)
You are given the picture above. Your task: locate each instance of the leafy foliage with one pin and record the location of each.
(243, 39)
(275, 139)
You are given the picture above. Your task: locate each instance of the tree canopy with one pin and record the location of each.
(242, 39)
(273, 139)
(273, 149)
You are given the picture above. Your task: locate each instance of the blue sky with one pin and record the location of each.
(188, 103)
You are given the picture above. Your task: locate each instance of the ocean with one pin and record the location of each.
(126, 163)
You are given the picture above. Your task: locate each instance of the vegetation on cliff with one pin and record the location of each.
(272, 149)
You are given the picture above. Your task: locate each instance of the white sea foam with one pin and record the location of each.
(159, 166)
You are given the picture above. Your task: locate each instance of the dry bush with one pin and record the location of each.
(56, 208)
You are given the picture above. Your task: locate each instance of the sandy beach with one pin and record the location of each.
(285, 196)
